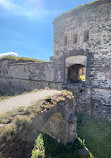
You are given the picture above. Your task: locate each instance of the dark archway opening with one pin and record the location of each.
(76, 73)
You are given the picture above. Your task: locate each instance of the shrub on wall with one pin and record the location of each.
(45, 146)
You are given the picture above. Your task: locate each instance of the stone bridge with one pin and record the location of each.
(47, 111)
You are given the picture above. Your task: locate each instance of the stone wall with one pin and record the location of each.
(58, 121)
(29, 71)
(94, 18)
(91, 101)
(10, 86)
(101, 103)
(83, 97)
(16, 78)
(93, 53)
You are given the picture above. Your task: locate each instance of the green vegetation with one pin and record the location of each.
(46, 147)
(21, 59)
(94, 133)
(97, 135)
(2, 97)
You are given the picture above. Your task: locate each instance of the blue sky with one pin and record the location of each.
(26, 25)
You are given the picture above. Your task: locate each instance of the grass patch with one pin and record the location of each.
(97, 135)
(37, 108)
(2, 97)
(21, 59)
(46, 147)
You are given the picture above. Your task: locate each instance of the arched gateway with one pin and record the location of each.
(75, 68)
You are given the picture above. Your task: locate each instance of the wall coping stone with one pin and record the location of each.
(80, 9)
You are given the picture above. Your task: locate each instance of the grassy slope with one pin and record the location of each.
(97, 135)
(17, 59)
(47, 147)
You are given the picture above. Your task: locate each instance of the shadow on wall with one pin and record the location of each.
(76, 73)
(45, 146)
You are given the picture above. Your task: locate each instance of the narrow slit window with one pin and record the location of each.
(75, 38)
(86, 35)
(65, 40)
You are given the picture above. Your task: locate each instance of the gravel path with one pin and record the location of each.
(24, 100)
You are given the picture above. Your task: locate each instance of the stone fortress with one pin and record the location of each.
(81, 61)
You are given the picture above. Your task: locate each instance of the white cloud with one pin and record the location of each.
(32, 9)
(36, 3)
(7, 4)
(9, 53)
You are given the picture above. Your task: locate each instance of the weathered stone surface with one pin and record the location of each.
(58, 121)
(94, 97)
(84, 152)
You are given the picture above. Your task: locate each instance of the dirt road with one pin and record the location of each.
(24, 100)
